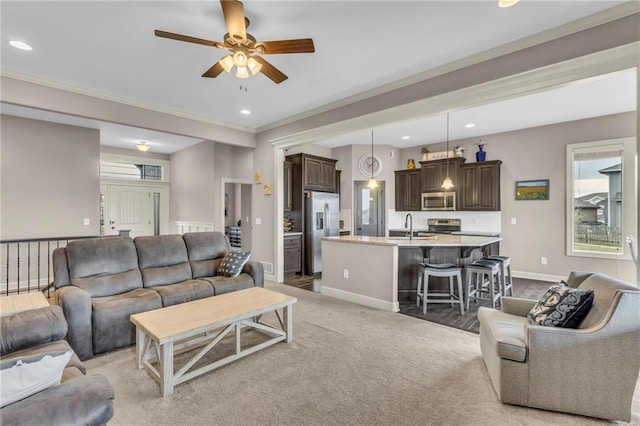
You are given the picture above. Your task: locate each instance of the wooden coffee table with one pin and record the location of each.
(161, 333)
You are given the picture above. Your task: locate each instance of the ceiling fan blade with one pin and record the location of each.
(189, 39)
(270, 71)
(302, 45)
(214, 71)
(233, 11)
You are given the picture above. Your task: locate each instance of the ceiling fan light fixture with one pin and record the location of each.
(143, 147)
(227, 63)
(242, 72)
(254, 66)
(507, 3)
(240, 58)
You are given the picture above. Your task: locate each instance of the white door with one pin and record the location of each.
(130, 208)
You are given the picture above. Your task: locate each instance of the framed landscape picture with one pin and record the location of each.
(532, 189)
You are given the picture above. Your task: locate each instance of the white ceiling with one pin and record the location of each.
(109, 47)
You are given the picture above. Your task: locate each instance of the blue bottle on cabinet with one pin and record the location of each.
(481, 155)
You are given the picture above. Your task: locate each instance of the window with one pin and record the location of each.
(118, 170)
(601, 200)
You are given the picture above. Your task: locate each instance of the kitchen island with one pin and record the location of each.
(380, 271)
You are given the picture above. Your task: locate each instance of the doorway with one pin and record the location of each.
(237, 212)
(133, 210)
(369, 209)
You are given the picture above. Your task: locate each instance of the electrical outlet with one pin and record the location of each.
(87, 221)
(345, 274)
(258, 221)
(476, 221)
(543, 260)
(513, 221)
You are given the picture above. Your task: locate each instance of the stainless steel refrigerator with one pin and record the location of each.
(322, 219)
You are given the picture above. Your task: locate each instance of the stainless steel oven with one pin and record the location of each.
(438, 201)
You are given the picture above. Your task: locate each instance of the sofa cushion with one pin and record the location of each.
(206, 250)
(505, 332)
(185, 291)
(23, 377)
(112, 328)
(162, 259)
(561, 306)
(30, 328)
(223, 285)
(233, 263)
(104, 266)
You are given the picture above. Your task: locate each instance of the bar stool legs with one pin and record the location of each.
(491, 286)
(505, 272)
(449, 271)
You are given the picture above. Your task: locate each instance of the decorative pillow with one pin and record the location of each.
(561, 306)
(233, 263)
(21, 378)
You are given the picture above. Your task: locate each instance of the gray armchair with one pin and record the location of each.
(591, 371)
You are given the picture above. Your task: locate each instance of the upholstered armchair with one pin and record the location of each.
(591, 370)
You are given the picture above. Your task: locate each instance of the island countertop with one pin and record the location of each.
(439, 240)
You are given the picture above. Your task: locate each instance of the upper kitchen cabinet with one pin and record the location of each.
(318, 173)
(480, 186)
(408, 190)
(433, 173)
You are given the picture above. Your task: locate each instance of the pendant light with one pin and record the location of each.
(373, 183)
(447, 183)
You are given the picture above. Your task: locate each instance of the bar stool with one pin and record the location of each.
(448, 270)
(505, 267)
(492, 285)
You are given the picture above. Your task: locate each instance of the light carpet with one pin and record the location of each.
(347, 365)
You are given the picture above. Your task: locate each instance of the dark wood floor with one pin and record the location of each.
(450, 316)
(441, 313)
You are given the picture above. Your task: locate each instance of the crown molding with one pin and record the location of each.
(617, 12)
(41, 81)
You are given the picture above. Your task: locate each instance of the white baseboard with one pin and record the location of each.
(270, 277)
(539, 277)
(359, 299)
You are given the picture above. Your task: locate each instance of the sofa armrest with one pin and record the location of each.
(256, 270)
(60, 268)
(517, 306)
(30, 328)
(86, 400)
(76, 305)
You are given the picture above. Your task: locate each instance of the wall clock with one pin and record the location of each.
(370, 164)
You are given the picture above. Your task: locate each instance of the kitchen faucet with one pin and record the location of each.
(410, 222)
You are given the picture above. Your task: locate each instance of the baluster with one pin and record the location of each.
(28, 267)
(18, 275)
(8, 246)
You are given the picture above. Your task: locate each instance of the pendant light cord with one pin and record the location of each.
(447, 144)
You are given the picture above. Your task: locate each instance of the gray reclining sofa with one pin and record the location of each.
(101, 282)
(78, 399)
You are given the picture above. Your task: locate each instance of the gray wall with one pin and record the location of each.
(49, 179)
(539, 153)
(192, 180)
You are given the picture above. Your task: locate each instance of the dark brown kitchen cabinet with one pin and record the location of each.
(433, 173)
(408, 190)
(292, 254)
(315, 173)
(480, 189)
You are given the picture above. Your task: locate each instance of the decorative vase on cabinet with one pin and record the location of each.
(481, 155)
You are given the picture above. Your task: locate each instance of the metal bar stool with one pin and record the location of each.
(505, 271)
(447, 270)
(492, 285)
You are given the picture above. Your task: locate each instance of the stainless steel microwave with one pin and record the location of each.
(438, 201)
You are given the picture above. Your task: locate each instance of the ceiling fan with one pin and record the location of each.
(244, 47)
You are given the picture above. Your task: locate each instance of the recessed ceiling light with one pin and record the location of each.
(406, 137)
(469, 125)
(245, 112)
(20, 45)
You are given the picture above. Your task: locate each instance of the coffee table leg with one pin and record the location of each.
(166, 369)
(288, 321)
(141, 345)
